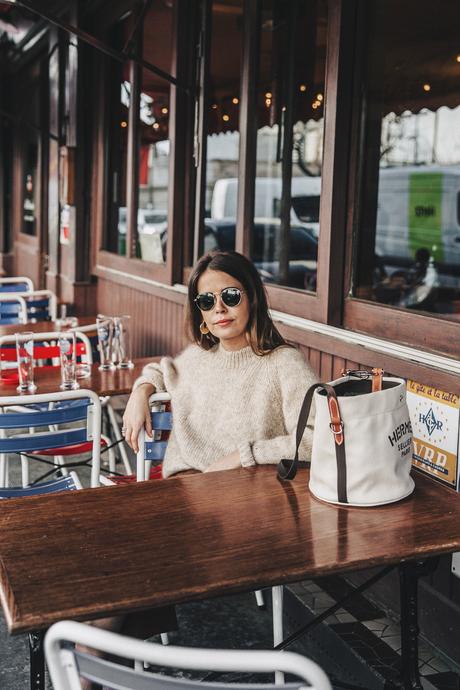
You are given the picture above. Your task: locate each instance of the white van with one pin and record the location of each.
(419, 209)
(305, 200)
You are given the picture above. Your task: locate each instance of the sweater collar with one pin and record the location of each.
(233, 359)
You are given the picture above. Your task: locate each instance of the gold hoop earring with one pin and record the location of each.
(204, 330)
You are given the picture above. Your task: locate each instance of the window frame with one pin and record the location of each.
(420, 329)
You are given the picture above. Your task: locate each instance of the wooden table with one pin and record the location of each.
(42, 326)
(115, 382)
(200, 536)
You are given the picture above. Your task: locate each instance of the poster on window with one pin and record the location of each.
(435, 418)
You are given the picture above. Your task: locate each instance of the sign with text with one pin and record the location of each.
(435, 417)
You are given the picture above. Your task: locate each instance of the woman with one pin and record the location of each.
(236, 391)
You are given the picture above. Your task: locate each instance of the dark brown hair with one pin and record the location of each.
(263, 336)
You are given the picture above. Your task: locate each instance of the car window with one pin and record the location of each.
(306, 208)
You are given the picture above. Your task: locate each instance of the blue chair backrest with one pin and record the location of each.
(25, 412)
(10, 313)
(24, 443)
(68, 483)
(14, 287)
(153, 450)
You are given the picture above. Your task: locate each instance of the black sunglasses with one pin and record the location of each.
(230, 296)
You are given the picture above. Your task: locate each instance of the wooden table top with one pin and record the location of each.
(110, 550)
(116, 382)
(42, 326)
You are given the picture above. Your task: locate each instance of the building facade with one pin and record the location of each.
(321, 138)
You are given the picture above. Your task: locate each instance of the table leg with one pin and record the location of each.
(409, 574)
(37, 660)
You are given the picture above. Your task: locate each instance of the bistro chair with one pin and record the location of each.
(148, 466)
(16, 284)
(40, 432)
(54, 486)
(90, 330)
(67, 664)
(46, 354)
(41, 305)
(13, 310)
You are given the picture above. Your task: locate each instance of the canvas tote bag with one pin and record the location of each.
(362, 440)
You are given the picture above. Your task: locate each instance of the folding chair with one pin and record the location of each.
(16, 284)
(46, 353)
(13, 309)
(90, 330)
(67, 664)
(153, 451)
(66, 408)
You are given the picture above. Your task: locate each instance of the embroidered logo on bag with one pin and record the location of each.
(399, 432)
(430, 421)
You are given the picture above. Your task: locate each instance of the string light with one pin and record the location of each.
(156, 125)
(303, 87)
(426, 87)
(319, 97)
(458, 58)
(225, 118)
(268, 102)
(235, 101)
(164, 110)
(268, 94)
(214, 106)
(123, 123)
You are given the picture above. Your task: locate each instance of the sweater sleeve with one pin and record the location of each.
(292, 376)
(152, 373)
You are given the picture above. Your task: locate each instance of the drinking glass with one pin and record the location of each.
(68, 354)
(25, 359)
(105, 337)
(122, 342)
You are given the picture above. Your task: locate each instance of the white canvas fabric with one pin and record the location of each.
(378, 446)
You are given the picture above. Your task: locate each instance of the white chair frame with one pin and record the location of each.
(37, 294)
(61, 660)
(10, 280)
(143, 473)
(15, 297)
(18, 402)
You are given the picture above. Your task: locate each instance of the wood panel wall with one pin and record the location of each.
(156, 324)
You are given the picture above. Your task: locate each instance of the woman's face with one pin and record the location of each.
(226, 323)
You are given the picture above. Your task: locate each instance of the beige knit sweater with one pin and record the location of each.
(223, 401)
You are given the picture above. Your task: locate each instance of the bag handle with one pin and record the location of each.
(287, 469)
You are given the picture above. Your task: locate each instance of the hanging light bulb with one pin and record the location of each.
(427, 87)
(235, 100)
(123, 124)
(225, 118)
(303, 87)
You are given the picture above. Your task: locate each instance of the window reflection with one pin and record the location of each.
(152, 215)
(223, 137)
(290, 96)
(407, 252)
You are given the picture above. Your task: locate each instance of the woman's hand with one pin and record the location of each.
(137, 415)
(229, 462)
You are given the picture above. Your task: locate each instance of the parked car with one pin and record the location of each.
(303, 249)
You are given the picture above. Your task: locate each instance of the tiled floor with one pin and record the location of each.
(373, 636)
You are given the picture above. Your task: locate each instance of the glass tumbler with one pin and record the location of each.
(122, 342)
(25, 359)
(68, 354)
(105, 338)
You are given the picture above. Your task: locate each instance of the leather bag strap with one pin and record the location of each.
(287, 469)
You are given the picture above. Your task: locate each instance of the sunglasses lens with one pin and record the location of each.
(231, 297)
(205, 301)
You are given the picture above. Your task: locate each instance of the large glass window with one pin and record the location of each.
(152, 214)
(151, 151)
(407, 248)
(290, 113)
(223, 138)
(30, 108)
